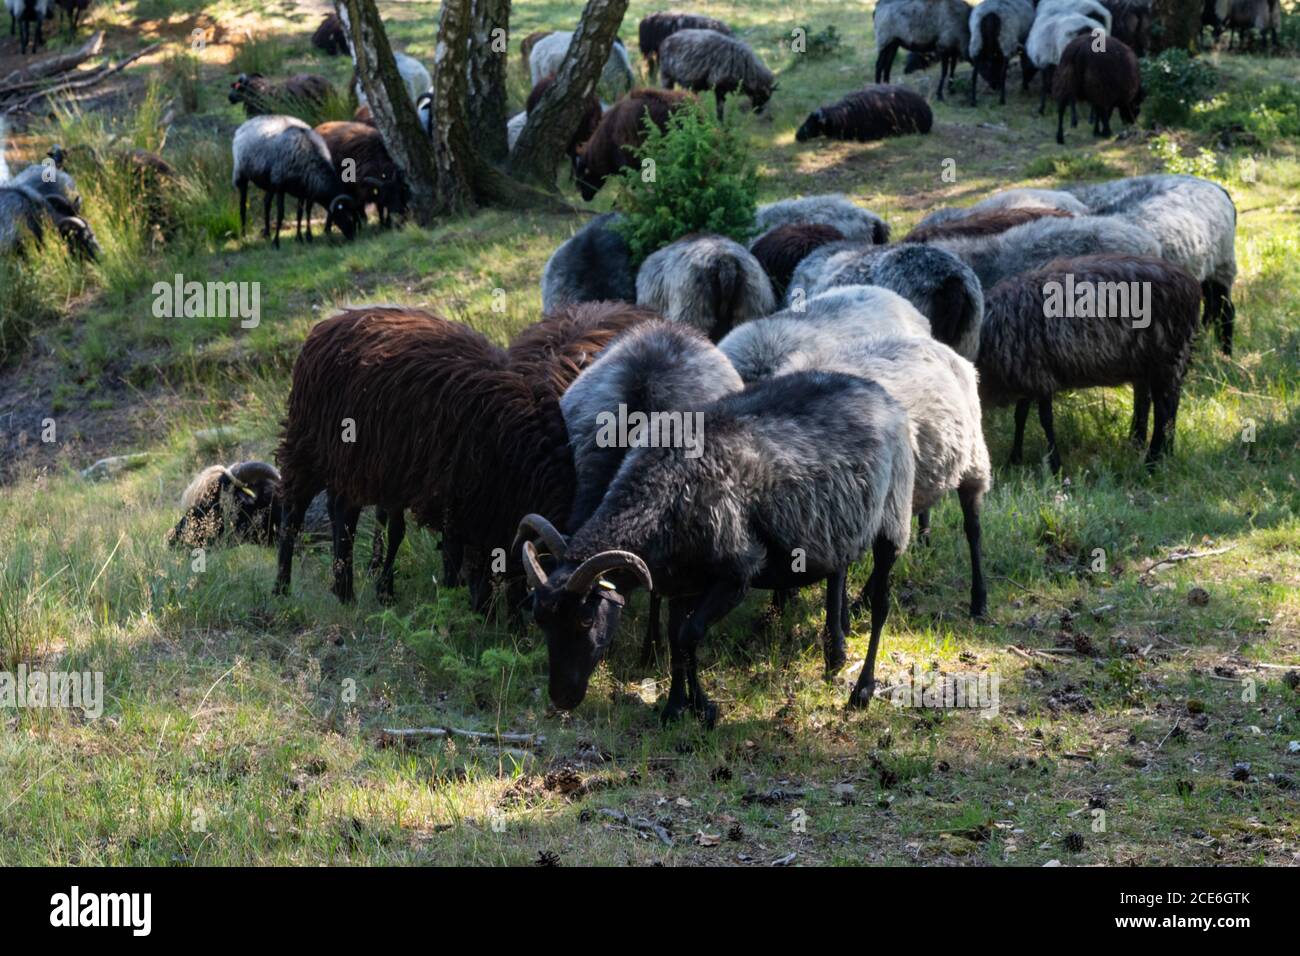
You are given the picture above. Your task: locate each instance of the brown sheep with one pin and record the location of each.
(621, 131)
(874, 112)
(302, 92)
(363, 163)
(586, 126)
(984, 223)
(363, 115)
(331, 37)
(779, 250)
(1103, 78)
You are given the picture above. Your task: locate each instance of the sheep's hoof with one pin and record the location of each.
(860, 699)
(707, 714)
(979, 609)
(835, 661)
(672, 712)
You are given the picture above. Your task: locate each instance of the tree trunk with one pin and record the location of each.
(555, 119)
(391, 106)
(488, 56)
(453, 153)
(1176, 24)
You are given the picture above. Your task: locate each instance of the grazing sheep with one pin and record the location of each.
(591, 114)
(1033, 245)
(593, 265)
(71, 12)
(1048, 38)
(813, 463)
(25, 212)
(527, 43)
(367, 171)
(700, 60)
(709, 282)
(301, 93)
(657, 27)
(1105, 79)
(1195, 221)
(871, 113)
(998, 28)
(1245, 17)
(48, 179)
(1131, 23)
(25, 13)
(414, 76)
(923, 26)
(548, 55)
(831, 209)
(1079, 323)
(988, 222)
(781, 249)
(283, 156)
(942, 287)
(241, 503)
(331, 37)
(619, 133)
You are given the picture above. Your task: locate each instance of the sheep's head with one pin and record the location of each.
(79, 237)
(813, 126)
(588, 186)
(342, 212)
(575, 605)
(245, 85)
(1128, 112)
(760, 94)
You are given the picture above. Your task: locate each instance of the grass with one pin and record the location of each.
(243, 729)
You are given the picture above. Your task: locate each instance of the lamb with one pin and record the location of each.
(241, 503)
(1104, 78)
(1048, 38)
(26, 212)
(1195, 221)
(24, 13)
(1076, 324)
(527, 43)
(988, 222)
(998, 28)
(586, 126)
(415, 78)
(330, 36)
(548, 53)
(874, 112)
(700, 60)
(594, 264)
(781, 249)
(619, 133)
(72, 11)
(830, 209)
(813, 463)
(923, 26)
(657, 27)
(282, 156)
(1131, 23)
(366, 170)
(944, 289)
(301, 93)
(709, 282)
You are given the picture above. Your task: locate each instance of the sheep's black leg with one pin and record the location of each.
(1018, 445)
(292, 515)
(1047, 83)
(974, 83)
(651, 640)
(396, 532)
(1141, 411)
(1105, 123)
(1027, 71)
(343, 519)
(1219, 312)
(845, 624)
(718, 98)
(1049, 430)
(719, 601)
(279, 217)
(297, 228)
(883, 555)
(943, 76)
(970, 512)
(923, 526)
(1060, 123)
(833, 641)
(243, 206)
(1002, 80)
(678, 610)
(453, 559)
(310, 206)
(885, 61)
(266, 215)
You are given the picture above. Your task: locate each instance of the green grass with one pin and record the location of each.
(240, 728)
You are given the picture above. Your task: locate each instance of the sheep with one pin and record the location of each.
(71, 11)
(998, 28)
(657, 27)
(924, 26)
(527, 43)
(1048, 38)
(874, 112)
(1082, 323)
(1262, 16)
(301, 93)
(620, 132)
(423, 110)
(48, 179)
(945, 290)
(368, 173)
(781, 249)
(24, 211)
(709, 282)
(1093, 9)
(984, 223)
(414, 76)
(1104, 78)
(591, 114)
(25, 13)
(594, 264)
(1033, 245)
(1020, 198)
(1131, 23)
(240, 502)
(363, 115)
(830, 209)
(331, 37)
(283, 155)
(1212, 14)
(700, 60)
(1195, 221)
(548, 53)
(812, 463)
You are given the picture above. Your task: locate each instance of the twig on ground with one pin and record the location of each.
(640, 824)
(396, 735)
(1189, 556)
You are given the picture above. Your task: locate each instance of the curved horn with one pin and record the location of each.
(533, 527)
(533, 572)
(584, 578)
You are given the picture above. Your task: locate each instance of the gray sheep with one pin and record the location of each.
(414, 76)
(1021, 198)
(1048, 38)
(1196, 223)
(547, 56)
(593, 265)
(798, 476)
(700, 60)
(709, 282)
(283, 156)
(922, 26)
(831, 209)
(24, 13)
(25, 212)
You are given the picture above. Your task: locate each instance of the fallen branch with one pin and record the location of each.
(1033, 653)
(402, 735)
(1189, 556)
(640, 824)
(82, 83)
(1170, 734)
(54, 65)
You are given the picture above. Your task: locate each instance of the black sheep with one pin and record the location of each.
(874, 112)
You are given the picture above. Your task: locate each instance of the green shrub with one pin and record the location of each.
(1070, 166)
(1204, 164)
(695, 176)
(181, 74)
(259, 53)
(1174, 82)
